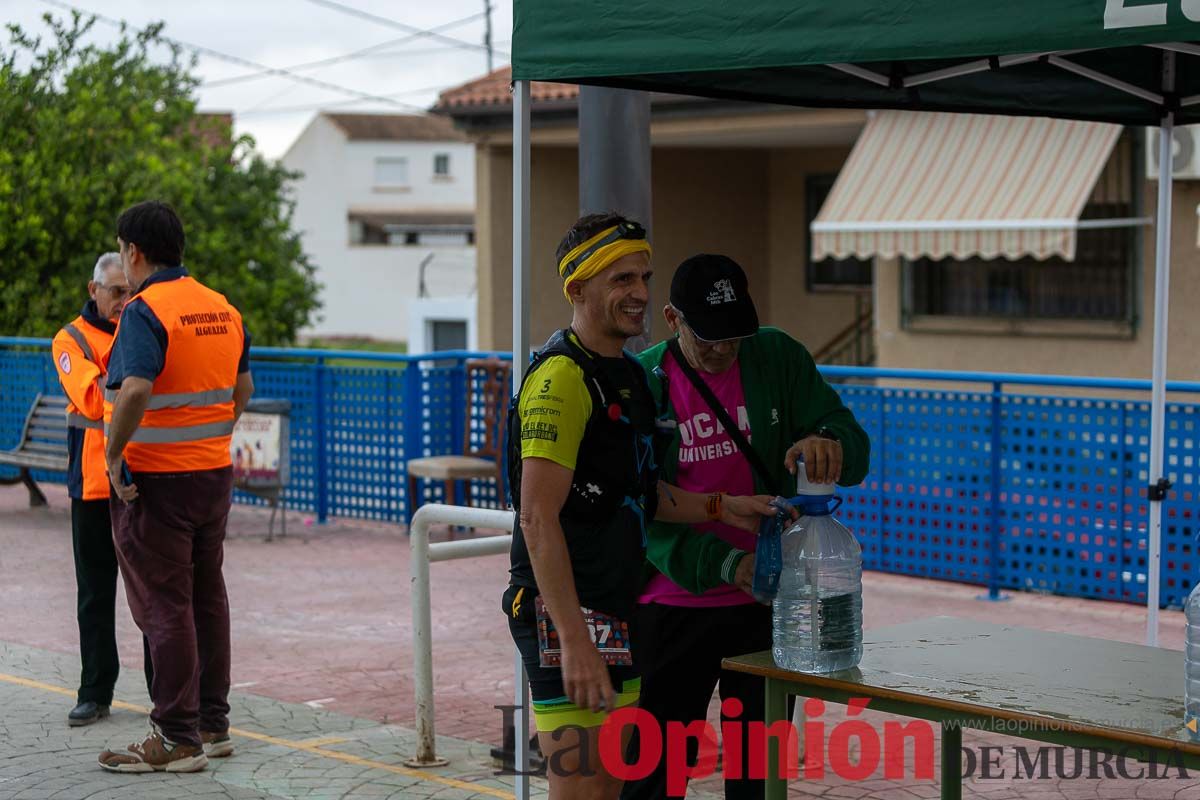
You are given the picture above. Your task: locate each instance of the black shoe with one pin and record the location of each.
(86, 713)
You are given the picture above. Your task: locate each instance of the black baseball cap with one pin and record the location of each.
(711, 292)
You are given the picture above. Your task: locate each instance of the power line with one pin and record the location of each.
(391, 23)
(208, 51)
(256, 112)
(326, 62)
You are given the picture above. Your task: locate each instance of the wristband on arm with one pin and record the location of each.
(712, 507)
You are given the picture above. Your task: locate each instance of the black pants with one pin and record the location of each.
(96, 600)
(679, 651)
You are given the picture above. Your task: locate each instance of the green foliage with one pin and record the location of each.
(86, 132)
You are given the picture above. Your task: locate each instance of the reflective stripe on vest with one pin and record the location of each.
(80, 340)
(188, 433)
(209, 397)
(80, 421)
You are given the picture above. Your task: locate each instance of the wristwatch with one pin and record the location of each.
(826, 433)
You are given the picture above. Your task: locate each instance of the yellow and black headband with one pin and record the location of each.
(597, 253)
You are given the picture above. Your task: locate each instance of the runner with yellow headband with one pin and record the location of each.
(596, 254)
(585, 481)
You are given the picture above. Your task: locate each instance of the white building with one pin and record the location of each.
(380, 196)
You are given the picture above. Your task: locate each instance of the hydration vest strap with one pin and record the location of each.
(638, 511)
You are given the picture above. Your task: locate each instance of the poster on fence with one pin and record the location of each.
(255, 448)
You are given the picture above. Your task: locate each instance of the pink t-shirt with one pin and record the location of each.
(709, 461)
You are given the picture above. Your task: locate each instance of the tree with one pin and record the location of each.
(86, 131)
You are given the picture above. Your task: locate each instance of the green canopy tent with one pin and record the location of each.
(1100, 60)
(1096, 60)
(1131, 62)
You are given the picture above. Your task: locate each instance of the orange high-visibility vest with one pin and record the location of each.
(79, 349)
(188, 424)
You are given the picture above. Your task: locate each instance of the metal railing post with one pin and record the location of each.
(460, 398)
(421, 554)
(320, 441)
(412, 444)
(994, 512)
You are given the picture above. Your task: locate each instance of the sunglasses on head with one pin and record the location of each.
(624, 230)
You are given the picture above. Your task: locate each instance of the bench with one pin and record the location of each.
(43, 445)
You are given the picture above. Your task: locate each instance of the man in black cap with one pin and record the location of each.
(721, 371)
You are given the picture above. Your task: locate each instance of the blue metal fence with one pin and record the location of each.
(1022, 491)
(356, 420)
(988, 486)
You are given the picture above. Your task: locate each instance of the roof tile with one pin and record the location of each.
(494, 89)
(396, 127)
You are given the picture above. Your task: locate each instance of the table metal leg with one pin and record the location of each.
(776, 711)
(951, 761)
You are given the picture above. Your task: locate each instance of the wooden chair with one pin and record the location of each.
(483, 431)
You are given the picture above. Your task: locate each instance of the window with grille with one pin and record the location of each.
(1097, 285)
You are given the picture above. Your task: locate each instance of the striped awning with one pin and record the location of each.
(958, 186)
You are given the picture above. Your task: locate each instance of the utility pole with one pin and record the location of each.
(614, 161)
(487, 32)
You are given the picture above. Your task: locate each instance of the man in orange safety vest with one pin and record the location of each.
(79, 349)
(178, 379)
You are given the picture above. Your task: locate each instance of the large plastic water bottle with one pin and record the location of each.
(817, 613)
(1191, 657)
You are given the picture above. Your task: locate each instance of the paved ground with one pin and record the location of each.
(321, 649)
(282, 750)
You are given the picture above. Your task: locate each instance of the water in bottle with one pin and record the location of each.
(1191, 656)
(817, 613)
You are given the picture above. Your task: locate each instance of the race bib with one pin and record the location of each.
(609, 634)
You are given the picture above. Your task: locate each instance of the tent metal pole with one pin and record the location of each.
(971, 67)
(958, 70)
(1178, 47)
(521, 230)
(1158, 381)
(866, 74)
(1100, 77)
(520, 299)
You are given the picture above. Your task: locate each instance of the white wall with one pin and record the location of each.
(366, 288)
(424, 191)
(367, 292)
(421, 313)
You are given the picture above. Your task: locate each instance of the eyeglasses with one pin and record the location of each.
(706, 344)
(116, 292)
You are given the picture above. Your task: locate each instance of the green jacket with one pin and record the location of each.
(786, 400)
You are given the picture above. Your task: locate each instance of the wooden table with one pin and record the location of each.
(1050, 687)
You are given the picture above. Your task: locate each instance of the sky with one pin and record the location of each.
(404, 71)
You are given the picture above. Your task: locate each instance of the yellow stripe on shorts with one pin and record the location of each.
(551, 715)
